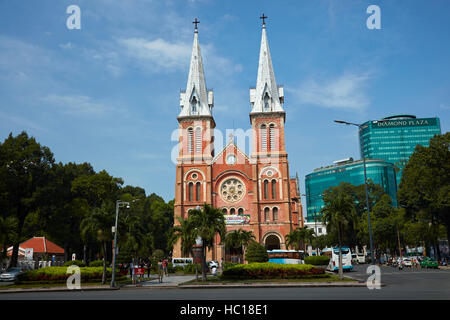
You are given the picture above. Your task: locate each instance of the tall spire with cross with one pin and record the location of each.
(267, 96)
(197, 100)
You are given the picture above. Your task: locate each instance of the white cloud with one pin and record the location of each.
(345, 92)
(159, 53)
(77, 104)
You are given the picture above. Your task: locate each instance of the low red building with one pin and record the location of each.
(43, 249)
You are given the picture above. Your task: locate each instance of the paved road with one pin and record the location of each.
(406, 285)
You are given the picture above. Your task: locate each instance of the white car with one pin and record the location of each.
(407, 262)
(213, 264)
(361, 258)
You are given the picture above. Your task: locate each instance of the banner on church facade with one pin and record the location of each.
(237, 219)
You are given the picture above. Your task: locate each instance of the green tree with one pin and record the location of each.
(207, 223)
(239, 239)
(25, 168)
(256, 252)
(97, 225)
(337, 213)
(425, 184)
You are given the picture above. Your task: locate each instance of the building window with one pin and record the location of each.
(266, 189)
(274, 189)
(272, 136)
(266, 102)
(240, 211)
(232, 211)
(224, 211)
(190, 191)
(266, 214)
(190, 140)
(275, 214)
(320, 230)
(198, 140)
(197, 191)
(194, 105)
(263, 137)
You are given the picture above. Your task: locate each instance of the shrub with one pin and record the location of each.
(256, 253)
(317, 260)
(60, 275)
(97, 263)
(272, 271)
(190, 268)
(158, 254)
(74, 263)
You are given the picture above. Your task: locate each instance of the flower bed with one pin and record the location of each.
(272, 271)
(60, 275)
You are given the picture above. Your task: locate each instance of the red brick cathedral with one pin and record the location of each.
(254, 192)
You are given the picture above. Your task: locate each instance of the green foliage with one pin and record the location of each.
(256, 253)
(271, 271)
(97, 263)
(317, 260)
(157, 255)
(74, 263)
(59, 274)
(190, 268)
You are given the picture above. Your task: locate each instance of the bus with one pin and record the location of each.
(286, 256)
(333, 253)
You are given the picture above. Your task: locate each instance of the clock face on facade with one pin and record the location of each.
(231, 159)
(232, 190)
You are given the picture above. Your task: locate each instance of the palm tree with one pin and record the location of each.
(206, 223)
(338, 212)
(293, 239)
(98, 225)
(185, 231)
(239, 239)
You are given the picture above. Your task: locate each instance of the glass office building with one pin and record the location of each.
(395, 139)
(379, 171)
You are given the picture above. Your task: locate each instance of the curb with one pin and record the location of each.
(55, 289)
(275, 285)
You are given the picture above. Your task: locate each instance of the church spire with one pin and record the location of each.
(267, 96)
(196, 100)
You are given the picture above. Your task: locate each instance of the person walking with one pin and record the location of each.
(149, 268)
(160, 271)
(165, 264)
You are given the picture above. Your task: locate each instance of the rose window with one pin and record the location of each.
(232, 190)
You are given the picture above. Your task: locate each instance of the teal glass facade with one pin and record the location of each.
(395, 139)
(379, 171)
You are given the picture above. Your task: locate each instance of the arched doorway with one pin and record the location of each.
(272, 242)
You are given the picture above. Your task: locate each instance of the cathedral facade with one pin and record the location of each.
(254, 192)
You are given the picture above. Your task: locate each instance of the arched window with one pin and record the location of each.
(232, 211)
(197, 191)
(272, 136)
(266, 214)
(240, 211)
(274, 189)
(198, 140)
(190, 137)
(224, 211)
(263, 137)
(275, 214)
(266, 189)
(190, 191)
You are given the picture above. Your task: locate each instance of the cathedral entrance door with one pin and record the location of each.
(272, 243)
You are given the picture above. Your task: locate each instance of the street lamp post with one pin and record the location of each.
(118, 205)
(366, 189)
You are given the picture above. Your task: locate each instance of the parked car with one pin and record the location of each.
(361, 258)
(11, 274)
(354, 258)
(407, 262)
(428, 263)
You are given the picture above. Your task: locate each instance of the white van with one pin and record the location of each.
(333, 253)
(361, 258)
(181, 262)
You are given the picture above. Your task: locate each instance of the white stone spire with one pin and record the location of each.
(267, 96)
(196, 100)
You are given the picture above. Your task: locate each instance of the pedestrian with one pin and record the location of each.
(165, 264)
(133, 277)
(160, 270)
(149, 267)
(221, 264)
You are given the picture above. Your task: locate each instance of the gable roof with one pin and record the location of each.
(230, 142)
(40, 245)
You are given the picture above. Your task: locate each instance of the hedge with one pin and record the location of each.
(256, 253)
(98, 263)
(60, 275)
(317, 260)
(269, 270)
(74, 263)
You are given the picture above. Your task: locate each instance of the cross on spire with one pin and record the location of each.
(263, 17)
(196, 22)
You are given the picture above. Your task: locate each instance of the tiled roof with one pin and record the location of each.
(41, 245)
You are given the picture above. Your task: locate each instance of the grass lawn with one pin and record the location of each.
(218, 280)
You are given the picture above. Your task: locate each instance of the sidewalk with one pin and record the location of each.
(171, 281)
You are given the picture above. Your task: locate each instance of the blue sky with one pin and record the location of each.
(108, 94)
